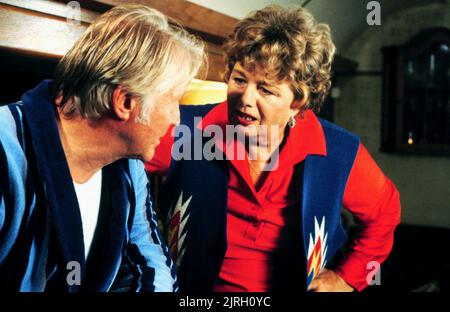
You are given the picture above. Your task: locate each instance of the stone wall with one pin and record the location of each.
(423, 181)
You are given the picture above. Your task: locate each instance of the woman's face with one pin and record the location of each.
(254, 101)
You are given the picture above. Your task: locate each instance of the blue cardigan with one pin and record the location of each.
(40, 223)
(195, 196)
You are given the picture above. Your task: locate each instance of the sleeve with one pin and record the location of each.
(2, 211)
(13, 186)
(375, 203)
(5, 202)
(2, 191)
(146, 246)
(160, 163)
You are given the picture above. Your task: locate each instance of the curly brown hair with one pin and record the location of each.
(290, 45)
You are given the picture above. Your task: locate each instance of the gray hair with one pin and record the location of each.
(132, 46)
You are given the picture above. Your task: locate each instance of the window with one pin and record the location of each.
(416, 95)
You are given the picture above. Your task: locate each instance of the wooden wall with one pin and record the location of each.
(40, 29)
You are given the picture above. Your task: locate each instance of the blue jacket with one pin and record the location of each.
(40, 224)
(193, 205)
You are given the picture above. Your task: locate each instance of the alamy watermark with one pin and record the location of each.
(74, 275)
(374, 16)
(73, 14)
(374, 276)
(235, 143)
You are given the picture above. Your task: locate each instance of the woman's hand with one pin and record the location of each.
(328, 281)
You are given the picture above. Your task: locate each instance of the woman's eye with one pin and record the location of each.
(239, 80)
(266, 91)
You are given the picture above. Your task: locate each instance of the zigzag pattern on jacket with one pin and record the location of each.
(178, 217)
(317, 250)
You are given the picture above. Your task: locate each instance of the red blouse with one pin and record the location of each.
(256, 218)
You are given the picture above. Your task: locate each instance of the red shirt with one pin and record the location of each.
(256, 218)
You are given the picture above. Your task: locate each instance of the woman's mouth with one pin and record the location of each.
(244, 118)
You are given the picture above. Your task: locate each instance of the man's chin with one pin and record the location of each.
(148, 156)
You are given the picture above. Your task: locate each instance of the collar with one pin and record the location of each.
(306, 138)
(40, 117)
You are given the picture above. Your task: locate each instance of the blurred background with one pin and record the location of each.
(391, 82)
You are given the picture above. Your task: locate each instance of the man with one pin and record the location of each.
(74, 197)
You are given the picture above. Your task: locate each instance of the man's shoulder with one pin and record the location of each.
(13, 159)
(9, 114)
(11, 125)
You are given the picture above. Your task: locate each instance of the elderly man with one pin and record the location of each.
(74, 197)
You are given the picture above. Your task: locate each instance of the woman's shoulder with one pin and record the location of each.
(339, 141)
(332, 128)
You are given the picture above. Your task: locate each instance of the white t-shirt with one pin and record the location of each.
(88, 195)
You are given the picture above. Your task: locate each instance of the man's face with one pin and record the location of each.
(145, 135)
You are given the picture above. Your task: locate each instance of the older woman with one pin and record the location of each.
(272, 221)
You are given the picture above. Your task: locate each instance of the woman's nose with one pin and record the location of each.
(248, 96)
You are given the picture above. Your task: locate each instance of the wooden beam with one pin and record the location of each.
(40, 29)
(216, 62)
(33, 34)
(190, 15)
(57, 10)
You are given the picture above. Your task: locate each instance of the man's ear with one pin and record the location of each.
(123, 104)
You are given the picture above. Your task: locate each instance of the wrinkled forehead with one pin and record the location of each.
(271, 66)
(262, 71)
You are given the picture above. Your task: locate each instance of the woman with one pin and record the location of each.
(259, 223)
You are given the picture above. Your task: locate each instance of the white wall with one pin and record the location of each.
(239, 8)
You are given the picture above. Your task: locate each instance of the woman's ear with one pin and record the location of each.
(299, 103)
(123, 104)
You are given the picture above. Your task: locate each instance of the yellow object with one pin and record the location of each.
(200, 92)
